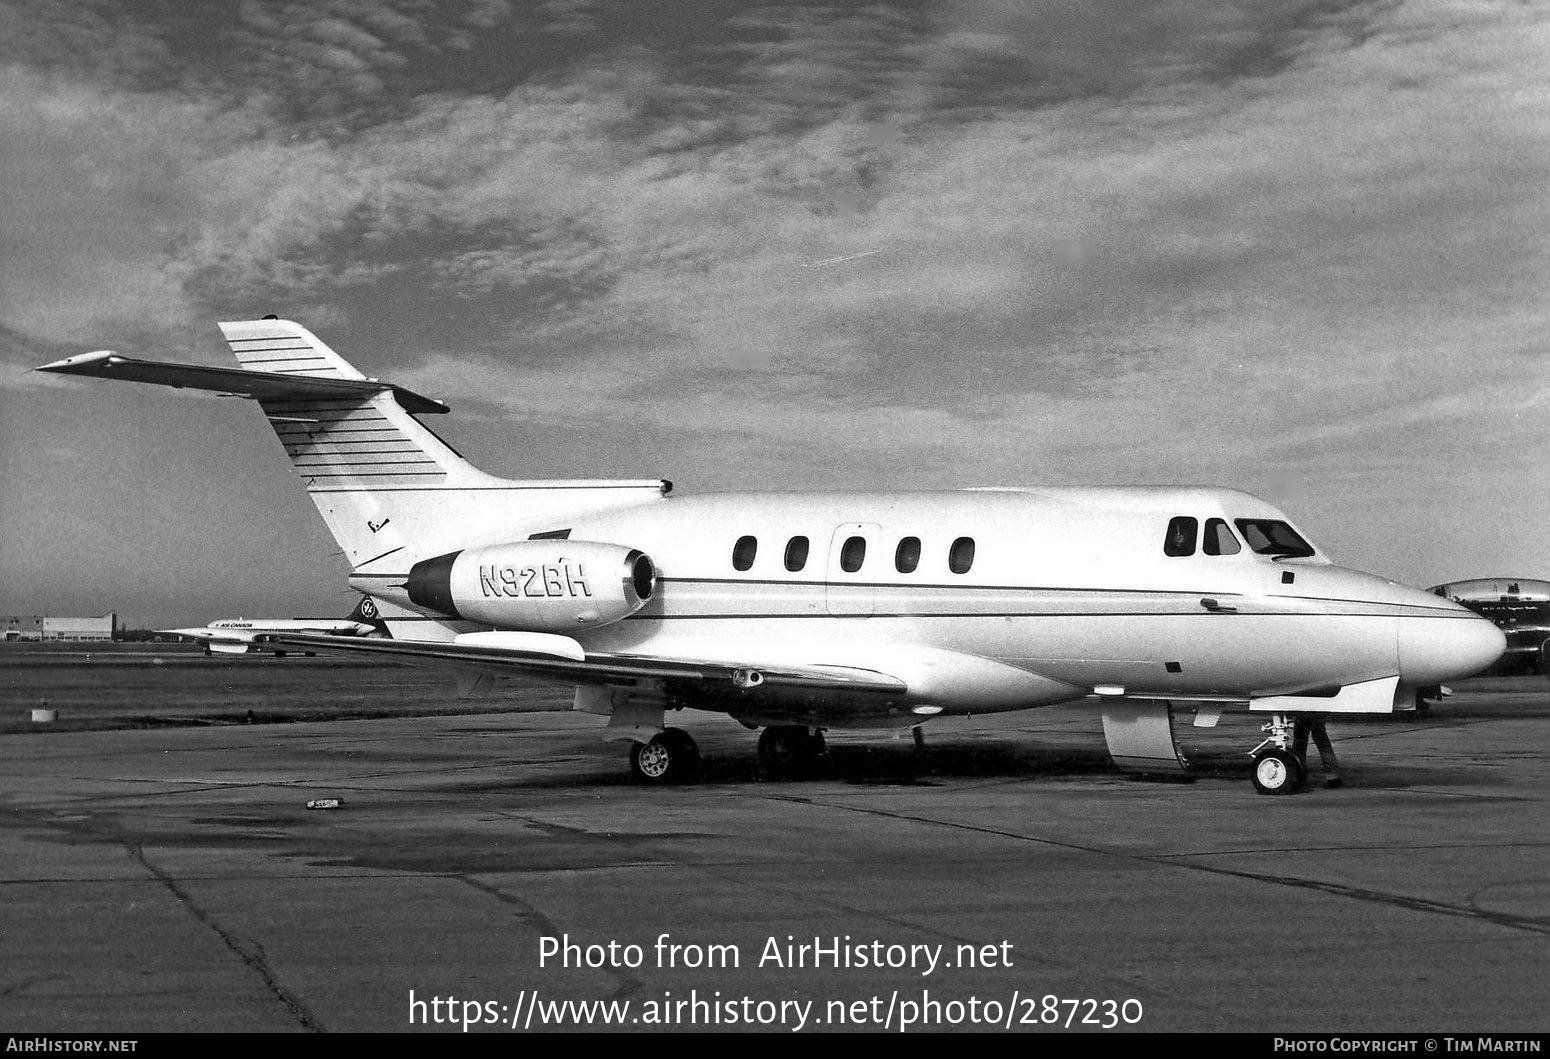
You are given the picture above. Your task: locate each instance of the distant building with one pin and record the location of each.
(44, 627)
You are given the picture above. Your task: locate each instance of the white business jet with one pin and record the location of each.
(798, 612)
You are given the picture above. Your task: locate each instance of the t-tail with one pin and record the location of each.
(391, 491)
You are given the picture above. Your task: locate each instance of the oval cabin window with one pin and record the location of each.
(796, 553)
(853, 554)
(962, 555)
(907, 557)
(743, 552)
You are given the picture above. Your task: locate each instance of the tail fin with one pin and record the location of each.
(370, 466)
(390, 490)
(367, 613)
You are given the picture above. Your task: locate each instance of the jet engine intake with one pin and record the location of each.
(536, 586)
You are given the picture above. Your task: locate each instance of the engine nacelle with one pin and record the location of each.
(536, 586)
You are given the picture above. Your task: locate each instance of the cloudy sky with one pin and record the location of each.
(1299, 248)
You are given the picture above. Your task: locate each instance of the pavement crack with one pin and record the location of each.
(1357, 893)
(253, 959)
(627, 984)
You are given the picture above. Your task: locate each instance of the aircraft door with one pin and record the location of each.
(855, 559)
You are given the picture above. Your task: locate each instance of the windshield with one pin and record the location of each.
(1272, 538)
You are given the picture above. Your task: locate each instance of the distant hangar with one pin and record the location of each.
(46, 627)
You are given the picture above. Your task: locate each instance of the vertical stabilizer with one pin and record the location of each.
(391, 491)
(389, 488)
(284, 348)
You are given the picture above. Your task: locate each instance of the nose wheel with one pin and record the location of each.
(1278, 769)
(1277, 772)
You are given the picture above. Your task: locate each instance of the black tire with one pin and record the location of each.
(776, 752)
(1277, 772)
(790, 750)
(817, 745)
(668, 758)
(686, 755)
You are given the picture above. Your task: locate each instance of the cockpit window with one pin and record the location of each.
(1272, 538)
(1219, 539)
(1181, 536)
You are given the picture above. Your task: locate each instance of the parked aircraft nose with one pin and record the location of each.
(1432, 650)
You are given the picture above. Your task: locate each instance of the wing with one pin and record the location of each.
(821, 683)
(560, 658)
(222, 641)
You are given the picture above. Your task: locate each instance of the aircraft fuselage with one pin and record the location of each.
(1073, 587)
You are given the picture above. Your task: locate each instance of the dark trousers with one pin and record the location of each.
(1314, 725)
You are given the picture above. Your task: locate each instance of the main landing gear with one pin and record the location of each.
(790, 750)
(670, 757)
(1277, 768)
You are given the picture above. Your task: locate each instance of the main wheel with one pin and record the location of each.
(789, 750)
(670, 757)
(776, 750)
(686, 754)
(1277, 772)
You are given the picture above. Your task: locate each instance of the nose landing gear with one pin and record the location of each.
(1277, 767)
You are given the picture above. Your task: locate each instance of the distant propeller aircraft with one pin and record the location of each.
(800, 612)
(1520, 607)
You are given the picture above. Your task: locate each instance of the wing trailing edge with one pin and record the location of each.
(546, 659)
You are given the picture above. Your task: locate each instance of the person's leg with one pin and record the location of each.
(1329, 765)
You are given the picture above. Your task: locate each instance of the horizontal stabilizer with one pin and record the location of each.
(261, 385)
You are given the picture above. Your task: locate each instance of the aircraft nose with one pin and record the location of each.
(1432, 650)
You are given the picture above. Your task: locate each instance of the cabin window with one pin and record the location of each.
(743, 552)
(1273, 538)
(1219, 539)
(796, 553)
(1181, 536)
(907, 556)
(961, 557)
(853, 554)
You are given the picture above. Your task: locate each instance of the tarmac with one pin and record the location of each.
(501, 872)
